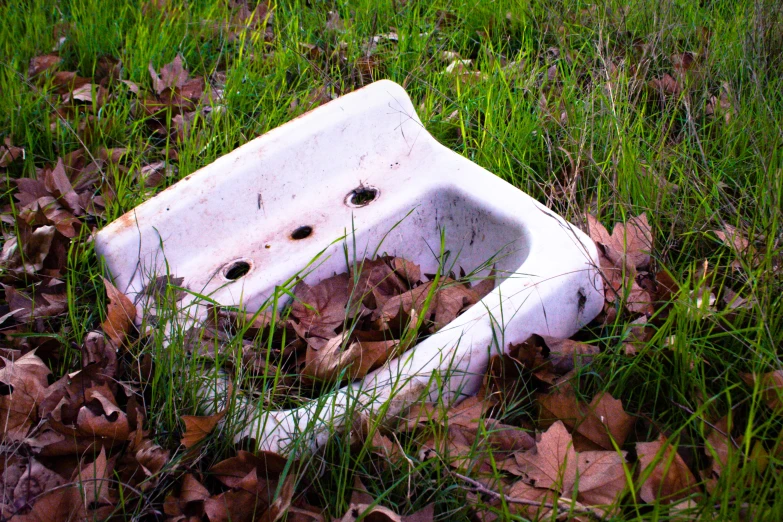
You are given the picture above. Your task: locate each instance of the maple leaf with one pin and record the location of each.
(621, 253)
(35, 246)
(143, 456)
(639, 332)
(236, 506)
(629, 244)
(408, 270)
(198, 427)
(320, 309)
(376, 283)
(550, 357)
(36, 480)
(666, 86)
(174, 88)
(232, 471)
(282, 503)
(101, 417)
(770, 385)
(157, 289)
(669, 478)
(24, 383)
(602, 477)
(359, 358)
(524, 491)
(446, 302)
(44, 301)
(94, 483)
(601, 422)
(43, 63)
(721, 104)
(9, 153)
(451, 300)
(172, 75)
(553, 463)
(120, 314)
(719, 446)
(191, 498)
(97, 351)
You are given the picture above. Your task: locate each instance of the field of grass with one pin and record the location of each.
(614, 109)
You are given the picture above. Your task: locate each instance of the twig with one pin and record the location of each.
(563, 504)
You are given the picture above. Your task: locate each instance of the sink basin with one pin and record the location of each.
(363, 168)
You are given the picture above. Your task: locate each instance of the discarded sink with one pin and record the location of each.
(362, 165)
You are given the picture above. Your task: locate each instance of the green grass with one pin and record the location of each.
(563, 110)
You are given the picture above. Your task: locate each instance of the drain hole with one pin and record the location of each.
(362, 196)
(301, 232)
(237, 270)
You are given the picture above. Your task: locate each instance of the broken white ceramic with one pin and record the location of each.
(359, 166)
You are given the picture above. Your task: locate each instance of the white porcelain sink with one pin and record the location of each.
(359, 166)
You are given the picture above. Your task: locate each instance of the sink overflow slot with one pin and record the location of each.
(361, 196)
(236, 270)
(301, 232)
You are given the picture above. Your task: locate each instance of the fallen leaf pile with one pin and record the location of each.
(67, 441)
(344, 326)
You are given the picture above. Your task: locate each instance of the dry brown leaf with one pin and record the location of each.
(524, 491)
(197, 428)
(191, 498)
(236, 506)
(120, 314)
(770, 385)
(43, 63)
(669, 480)
(282, 503)
(34, 482)
(666, 86)
(721, 105)
(375, 285)
(734, 239)
(94, 481)
(9, 153)
(232, 471)
(358, 358)
(58, 505)
(553, 464)
(172, 75)
(452, 298)
(36, 244)
(335, 23)
(408, 270)
(486, 285)
(24, 382)
(101, 417)
(149, 458)
(97, 351)
(58, 185)
(628, 245)
(158, 288)
(719, 448)
(370, 513)
(564, 355)
(38, 304)
(601, 477)
(602, 421)
(320, 309)
(639, 333)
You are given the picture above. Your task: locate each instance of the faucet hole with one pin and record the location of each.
(302, 232)
(361, 196)
(236, 270)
